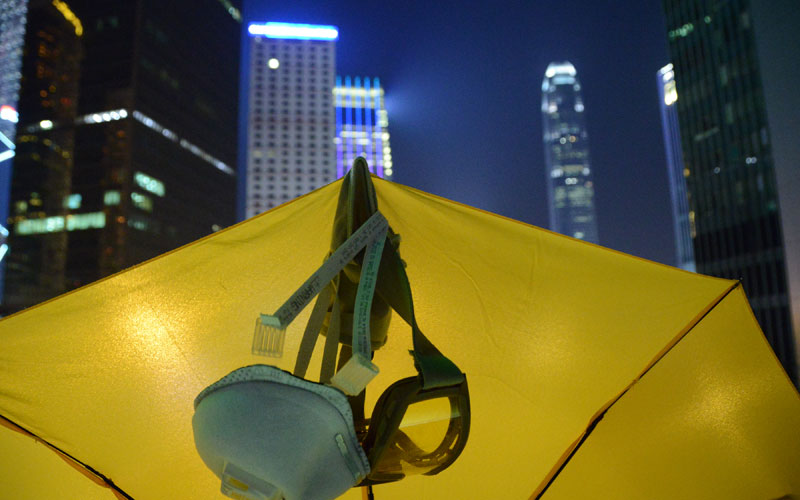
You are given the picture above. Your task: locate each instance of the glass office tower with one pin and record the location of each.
(290, 122)
(362, 126)
(12, 36)
(682, 223)
(126, 138)
(566, 144)
(736, 71)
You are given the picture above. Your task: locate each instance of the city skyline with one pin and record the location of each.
(464, 104)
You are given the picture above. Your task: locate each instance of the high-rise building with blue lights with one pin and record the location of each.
(570, 188)
(362, 126)
(290, 114)
(12, 37)
(681, 217)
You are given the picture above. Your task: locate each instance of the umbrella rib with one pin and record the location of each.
(74, 462)
(599, 415)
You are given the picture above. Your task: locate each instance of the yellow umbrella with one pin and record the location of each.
(592, 373)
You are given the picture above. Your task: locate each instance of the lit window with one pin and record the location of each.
(94, 220)
(142, 202)
(111, 198)
(148, 183)
(72, 201)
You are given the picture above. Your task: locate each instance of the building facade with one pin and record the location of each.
(683, 225)
(735, 64)
(290, 114)
(126, 138)
(13, 14)
(570, 187)
(362, 126)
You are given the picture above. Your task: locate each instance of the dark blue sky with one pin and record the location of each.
(463, 93)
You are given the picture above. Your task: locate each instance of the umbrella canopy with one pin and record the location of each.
(592, 373)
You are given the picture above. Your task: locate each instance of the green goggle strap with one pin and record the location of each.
(434, 367)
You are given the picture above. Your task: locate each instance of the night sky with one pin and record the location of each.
(463, 94)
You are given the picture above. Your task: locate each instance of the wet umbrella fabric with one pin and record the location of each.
(592, 373)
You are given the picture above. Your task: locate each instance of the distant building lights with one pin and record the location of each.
(233, 11)
(9, 114)
(58, 223)
(294, 31)
(273, 63)
(564, 68)
(45, 124)
(6, 141)
(670, 93)
(69, 16)
(148, 183)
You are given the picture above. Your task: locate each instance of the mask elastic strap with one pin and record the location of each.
(270, 330)
(311, 333)
(359, 370)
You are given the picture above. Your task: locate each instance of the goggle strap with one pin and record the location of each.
(434, 367)
(328, 366)
(311, 333)
(271, 329)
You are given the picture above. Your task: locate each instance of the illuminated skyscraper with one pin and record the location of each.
(682, 224)
(126, 138)
(12, 37)
(362, 126)
(570, 188)
(290, 119)
(736, 70)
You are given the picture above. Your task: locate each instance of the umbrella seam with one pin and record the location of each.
(539, 228)
(86, 469)
(567, 456)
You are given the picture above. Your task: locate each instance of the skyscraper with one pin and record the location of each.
(12, 36)
(290, 114)
(362, 126)
(736, 71)
(126, 138)
(570, 188)
(682, 224)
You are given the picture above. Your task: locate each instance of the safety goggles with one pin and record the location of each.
(416, 431)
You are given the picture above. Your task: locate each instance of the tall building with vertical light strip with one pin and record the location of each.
(290, 114)
(681, 219)
(736, 72)
(362, 126)
(570, 188)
